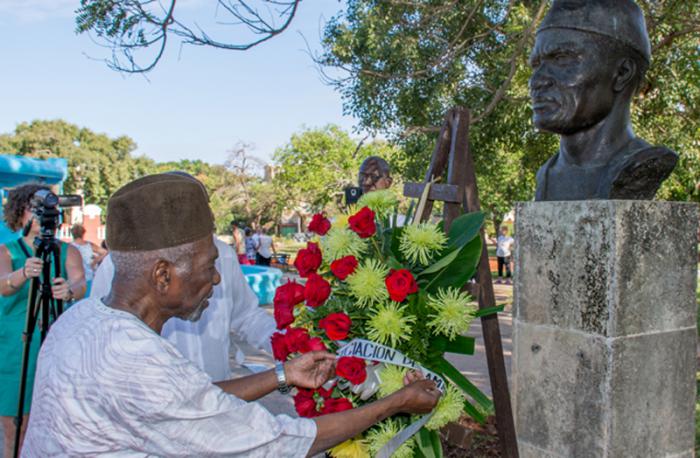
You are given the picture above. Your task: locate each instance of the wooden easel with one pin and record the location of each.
(460, 194)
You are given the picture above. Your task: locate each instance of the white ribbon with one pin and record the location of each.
(373, 351)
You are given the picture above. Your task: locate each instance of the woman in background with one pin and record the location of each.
(18, 266)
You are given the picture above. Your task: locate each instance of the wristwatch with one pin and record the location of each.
(282, 386)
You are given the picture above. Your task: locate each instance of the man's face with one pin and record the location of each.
(571, 86)
(194, 289)
(370, 179)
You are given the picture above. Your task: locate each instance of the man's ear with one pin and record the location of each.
(626, 71)
(161, 275)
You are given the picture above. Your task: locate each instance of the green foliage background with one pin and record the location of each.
(400, 66)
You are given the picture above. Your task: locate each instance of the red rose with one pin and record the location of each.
(297, 340)
(362, 223)
(279, 346)
(315, 344)
(286, 297)
(305, 404)
(336, 325)
(333, 405)
(284, 315)
(308, 259)
(400, 283)
(316, 290)
(343, 267)
(352, 369)
(319, 224)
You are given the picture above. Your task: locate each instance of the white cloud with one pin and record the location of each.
(37, 10)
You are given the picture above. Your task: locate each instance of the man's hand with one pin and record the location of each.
(60, 289)
(310, 370)
(420, 396)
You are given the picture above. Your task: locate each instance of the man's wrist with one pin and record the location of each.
(283, 385)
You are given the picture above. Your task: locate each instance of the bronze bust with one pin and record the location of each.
(589, 59)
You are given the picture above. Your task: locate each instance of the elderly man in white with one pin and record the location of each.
(107, 384)
(233, 308)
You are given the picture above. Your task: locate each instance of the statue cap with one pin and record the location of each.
(621, 20)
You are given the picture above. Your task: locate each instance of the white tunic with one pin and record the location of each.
(106, 384)
(233, 308)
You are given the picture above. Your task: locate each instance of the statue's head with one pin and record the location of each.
(589, 55)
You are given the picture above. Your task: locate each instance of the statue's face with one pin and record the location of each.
(571, 86)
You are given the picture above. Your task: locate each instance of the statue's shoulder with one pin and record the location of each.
(639, 173)
(541, 177)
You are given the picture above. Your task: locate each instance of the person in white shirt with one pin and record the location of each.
(233, 308)
(265, 248)
(504, 248)
(108, 384)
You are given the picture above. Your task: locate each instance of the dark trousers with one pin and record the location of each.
(503, 261)
(262, 260)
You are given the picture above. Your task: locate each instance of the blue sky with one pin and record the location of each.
(195, 105)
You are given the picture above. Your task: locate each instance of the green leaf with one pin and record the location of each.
(462, 345)
(489, 311)
(441, 263)
(473, 412)
(464, 229)
(464, 384)
(460, 270)
(429, 445)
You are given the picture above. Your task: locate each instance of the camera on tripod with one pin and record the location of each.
(46, 207)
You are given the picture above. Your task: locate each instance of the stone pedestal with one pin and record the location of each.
(605, 329)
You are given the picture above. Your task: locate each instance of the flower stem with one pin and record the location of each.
(376, 247)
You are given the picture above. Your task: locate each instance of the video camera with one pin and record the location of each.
(352, 195)
(46, 207)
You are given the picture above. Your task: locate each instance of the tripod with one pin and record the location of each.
(41, 308)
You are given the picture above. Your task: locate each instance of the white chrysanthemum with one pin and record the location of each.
(367, 283)
(378, 436)
(453, 312)
(340, 242)
(420, 243)
(391, 378)
(382, 202)
(449, 408)
(390, 324)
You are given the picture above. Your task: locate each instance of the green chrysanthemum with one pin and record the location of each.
(453, 309)
(383, 433)
(421, 242)
(449, 408)
(367, 283)
(391, 378)
(381, 202)
(390, 324)
(340, 242)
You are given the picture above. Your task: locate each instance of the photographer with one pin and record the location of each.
(18, 267)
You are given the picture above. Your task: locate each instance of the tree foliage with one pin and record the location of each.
(316, 165)
(401, 65)
(97, 164)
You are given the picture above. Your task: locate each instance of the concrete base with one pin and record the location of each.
(604, 329)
